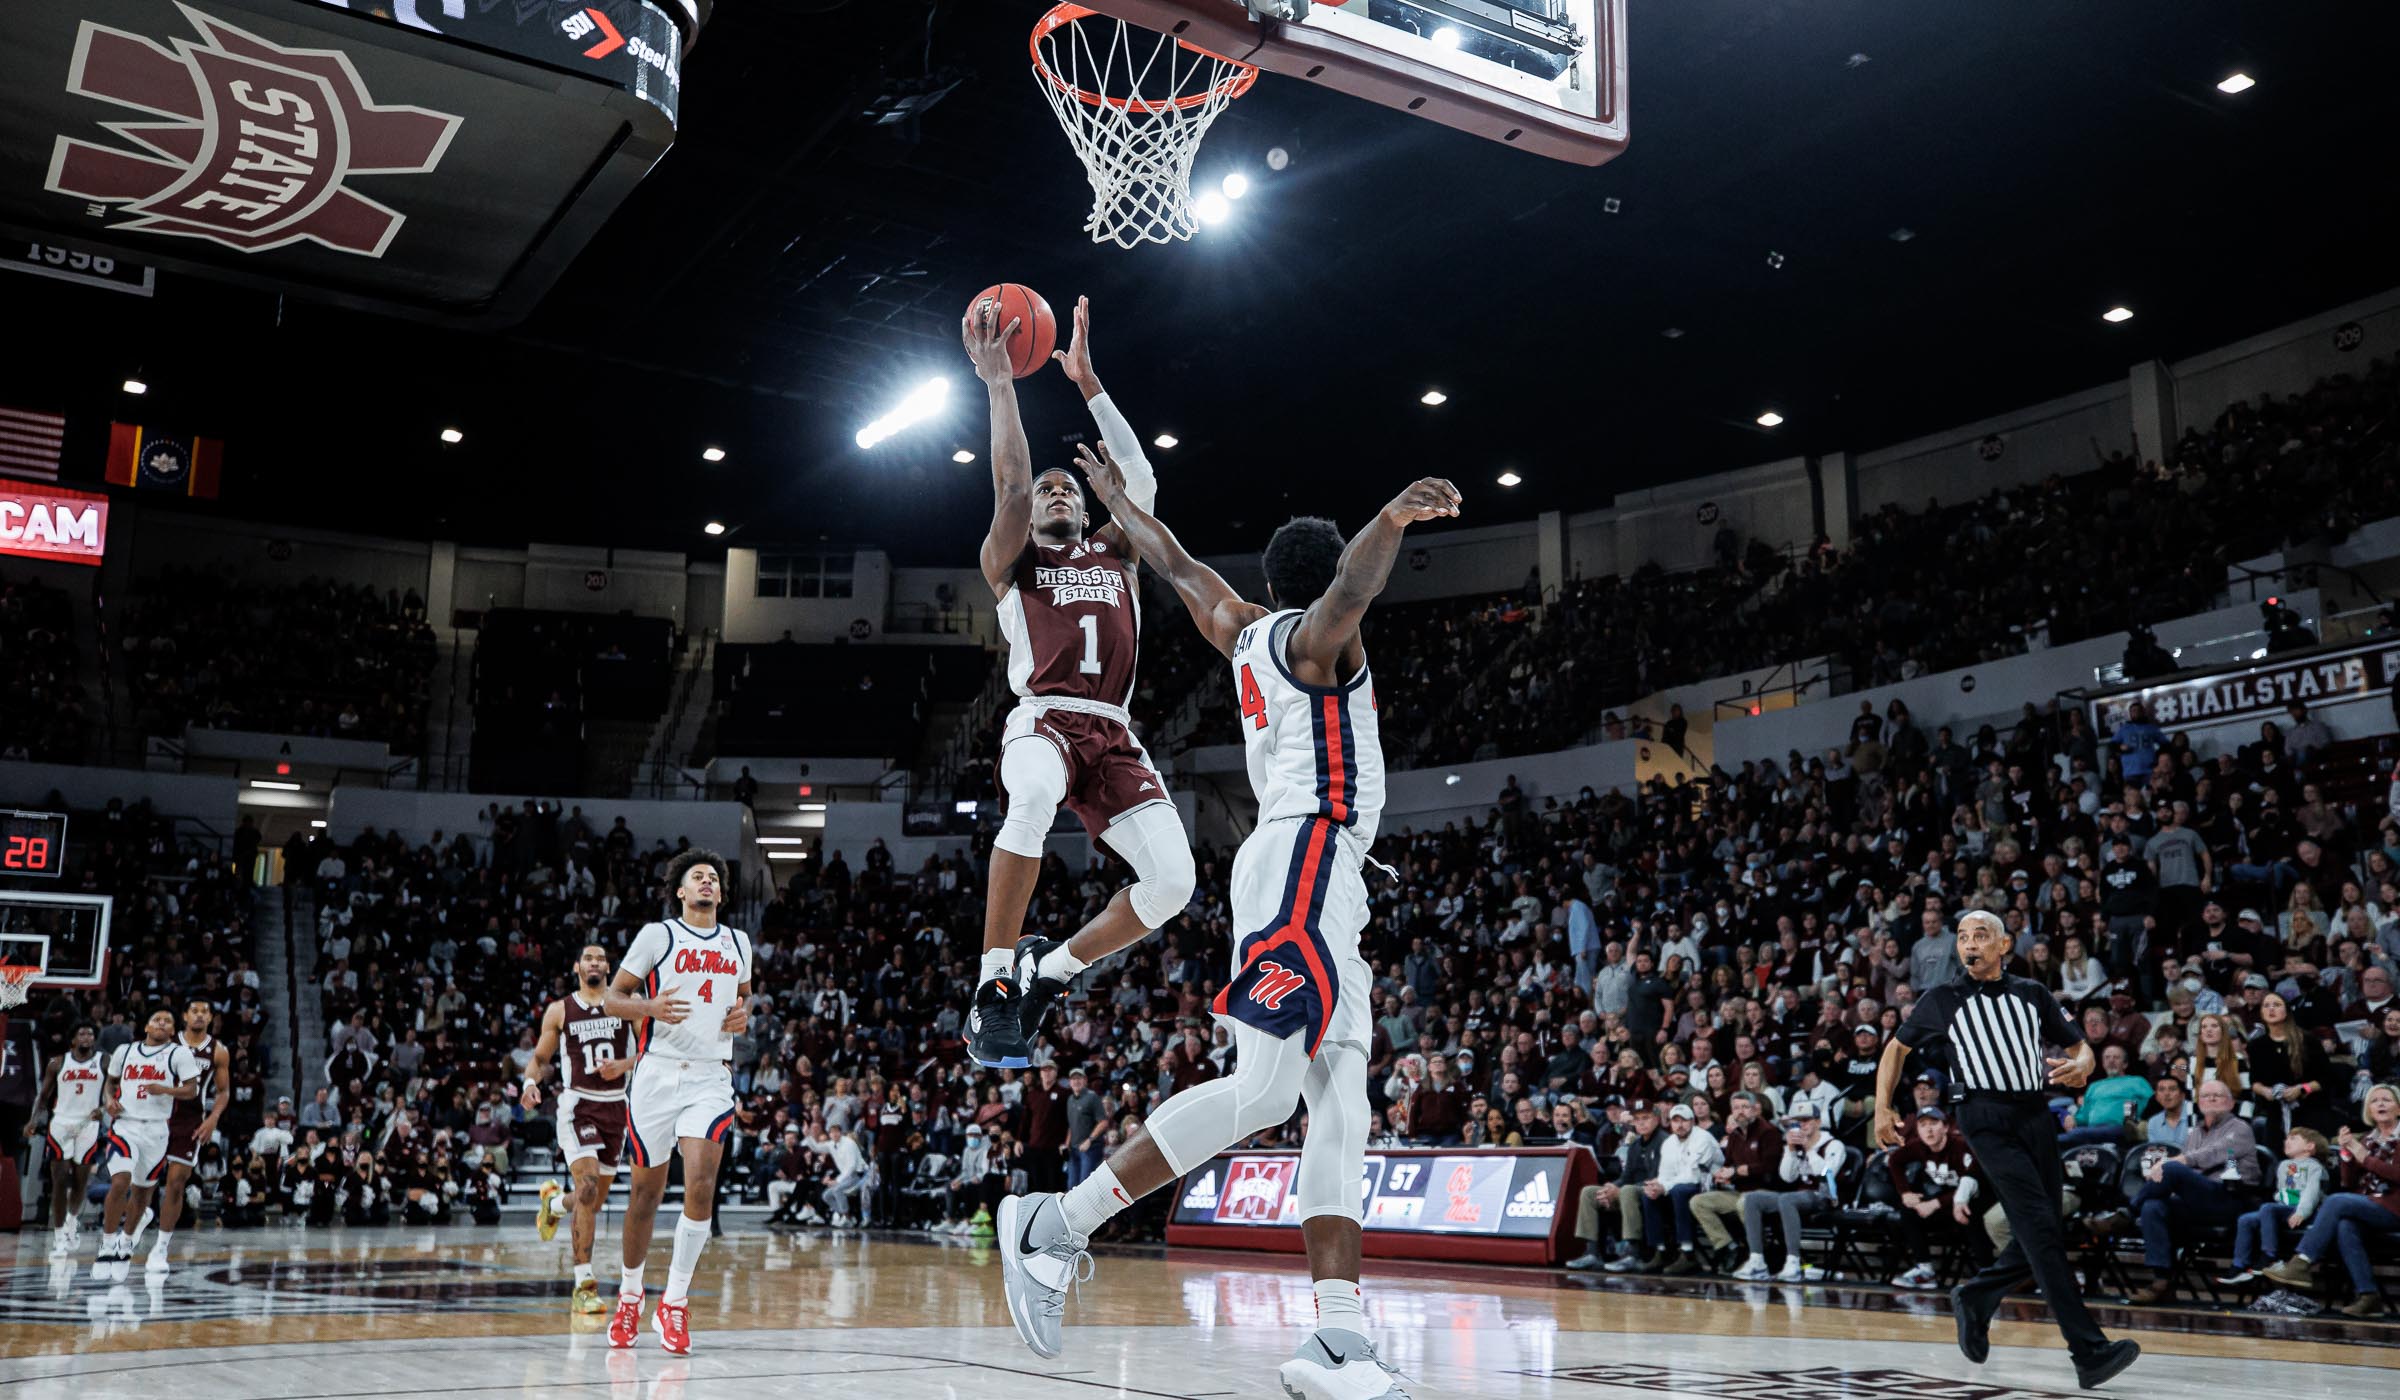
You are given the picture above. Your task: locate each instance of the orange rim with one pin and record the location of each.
(1232, 86)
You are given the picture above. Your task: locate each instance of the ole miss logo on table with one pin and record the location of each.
(256, 144)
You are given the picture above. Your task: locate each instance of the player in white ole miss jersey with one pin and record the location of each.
(71, 1138)
(1297, 1004)
(1070, 606)
(145, 1079)
(685, 982)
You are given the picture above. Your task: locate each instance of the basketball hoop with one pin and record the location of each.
(16, 983)
(1135, 117)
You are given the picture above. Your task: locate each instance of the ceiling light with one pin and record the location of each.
(922, 403)
(712, 454)
(318, 823)
(1450, 780)
(1902, 234)
(1673, 332)
(962, 456)
(783, 840)
(787, 855)
(1445, 38)
(1510, 478)
(1212, 208)
(2237, 82)
(2116, 315)
(271, 783)
(1236, 185)
(135, 386)
(453, 436)
(812, 806)
(1165, 441)
(1433, 398)
(714, 527)
(1770, 419)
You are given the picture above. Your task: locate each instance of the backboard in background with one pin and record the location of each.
(1546, 76)
(65, 934)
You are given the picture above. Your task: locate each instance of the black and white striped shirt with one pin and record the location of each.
(1995, 1032)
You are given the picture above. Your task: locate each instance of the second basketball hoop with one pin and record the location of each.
(1135, 105)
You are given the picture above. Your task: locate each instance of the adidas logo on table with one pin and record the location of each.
(1534, 1199)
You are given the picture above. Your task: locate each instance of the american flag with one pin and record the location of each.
(30, 442)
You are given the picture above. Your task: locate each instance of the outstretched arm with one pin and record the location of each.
(554, 1020)
(1124, 447)
(1216, 609)
(1328, 631)
(1012, 459)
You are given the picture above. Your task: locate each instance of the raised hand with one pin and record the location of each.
(1076, 360)
(1108, 483)
(1428, 499)
(986, 344)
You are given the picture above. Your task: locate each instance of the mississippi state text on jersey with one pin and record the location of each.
(1312, 750)
(588, 1038)
(1071, 614)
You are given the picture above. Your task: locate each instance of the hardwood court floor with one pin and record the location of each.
(286, 1314)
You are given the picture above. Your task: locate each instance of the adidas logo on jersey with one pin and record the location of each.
(1534, 1200)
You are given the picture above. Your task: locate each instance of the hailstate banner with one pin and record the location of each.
(2318, 678)
(51, 522)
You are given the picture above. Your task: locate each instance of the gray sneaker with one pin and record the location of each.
(1335, 1364)
(1039, 1262)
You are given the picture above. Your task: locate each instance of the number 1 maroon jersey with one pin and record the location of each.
(1071, 615)
(588, 1038)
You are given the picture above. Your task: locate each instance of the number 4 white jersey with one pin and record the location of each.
(1312, 750)
(705, 967)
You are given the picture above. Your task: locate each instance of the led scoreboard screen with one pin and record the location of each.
(33, 843)
(1502, 1205)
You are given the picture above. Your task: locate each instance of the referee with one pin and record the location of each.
(1996, 1026)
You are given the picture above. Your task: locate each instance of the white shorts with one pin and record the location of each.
(138, 1146)
(74, 1142)
(671, 1099)
(1299, 906)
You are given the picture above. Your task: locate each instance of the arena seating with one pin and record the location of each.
(783, 698)
(542, 679)
(46, 713)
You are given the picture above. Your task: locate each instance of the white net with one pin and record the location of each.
(1135, 105)
(16, 983)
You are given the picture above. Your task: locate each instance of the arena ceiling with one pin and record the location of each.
(797, 262)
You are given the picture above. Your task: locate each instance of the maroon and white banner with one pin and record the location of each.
(2262, 690)
(51, 522)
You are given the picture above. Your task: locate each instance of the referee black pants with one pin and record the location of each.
(2016, 1143)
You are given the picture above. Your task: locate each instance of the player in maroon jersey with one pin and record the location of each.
(1070, 608)
(191, 1126)
(591, 1108)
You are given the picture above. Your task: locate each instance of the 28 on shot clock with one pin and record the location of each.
(33, 843)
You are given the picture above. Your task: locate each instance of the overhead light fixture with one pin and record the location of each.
(1166, 442)
(712, 454)
(2116, 315)
(787, 855)
(1235, 185)
(1433, 398)
(1903, 234)
(962, 456)
(1673, 332)
(271, 783)
(812, 806)
(453, 436)
(1213, 208)
(922, 403)
(2236, 82)
(1445, 38)
(317, 822)
(135, 386)
(714, 527)
(1510, 478)
(784, 840)
(1770, 419)
(1450, 780)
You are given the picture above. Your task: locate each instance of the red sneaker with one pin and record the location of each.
(627, 1323)
(673, 1328)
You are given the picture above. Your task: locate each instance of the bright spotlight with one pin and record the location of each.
(453, 436)
(1770, 419)
(1510, 478)
(2237, 82)
(1433, 398)
(1212, 208)
(1445, 38)
(135, 386)
(714, 527)
(712, 454)
(1236, 185)
(2116, 315)
(962, 456)
(1165, 441)
(926, 401)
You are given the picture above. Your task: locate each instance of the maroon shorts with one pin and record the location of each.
(1108, 771)
(593, 1128)
(183, 1140)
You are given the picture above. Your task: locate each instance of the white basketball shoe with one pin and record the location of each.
(1039, 1262)
(1340, 1365)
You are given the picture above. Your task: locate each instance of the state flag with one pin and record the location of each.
(148, 459)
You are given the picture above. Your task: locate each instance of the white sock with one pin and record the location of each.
(583, 1274)
(1060, 964)
(631, 1287)
(691, 1236)
(996, 962)
(159, 1249)
(1339, 1306)
(1092, 1204)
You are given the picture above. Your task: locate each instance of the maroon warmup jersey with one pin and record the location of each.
(588, 1039)
(183, 1123)
(1070, 615)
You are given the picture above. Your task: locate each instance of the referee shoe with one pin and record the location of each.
(1974, 1328)
(2101, 1366)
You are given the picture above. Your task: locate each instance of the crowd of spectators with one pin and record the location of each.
(45, 713)
(319, 658)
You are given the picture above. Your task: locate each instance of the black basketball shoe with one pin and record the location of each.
(995, 1039)
(1039, 992)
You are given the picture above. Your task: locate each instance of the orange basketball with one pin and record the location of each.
(1037, 333)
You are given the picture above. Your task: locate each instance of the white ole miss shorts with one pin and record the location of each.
(74, 1142)
(671, 1099)
(1299, 906)
(138, 1147)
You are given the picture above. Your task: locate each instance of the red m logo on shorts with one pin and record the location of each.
(1275, 982)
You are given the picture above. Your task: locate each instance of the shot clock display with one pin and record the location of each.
(33, 844)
